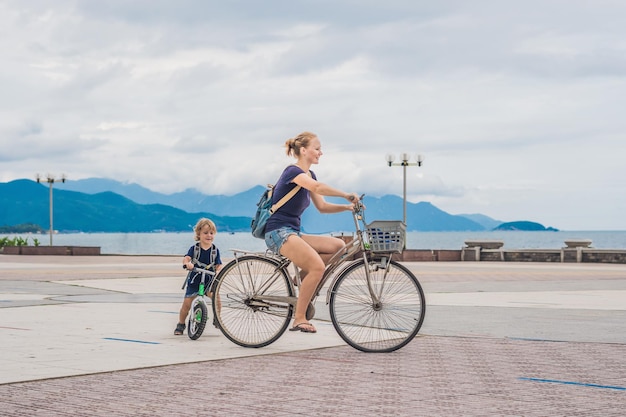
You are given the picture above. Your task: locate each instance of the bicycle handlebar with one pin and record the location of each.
(200, 270)
(358, 206)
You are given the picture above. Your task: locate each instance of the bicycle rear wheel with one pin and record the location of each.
(249, 301)
(385, 325)
(197, 319)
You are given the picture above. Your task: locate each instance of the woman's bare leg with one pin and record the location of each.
(310, 254)
(307, 259)
(325, 246)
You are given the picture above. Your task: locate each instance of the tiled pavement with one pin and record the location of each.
(498, 340)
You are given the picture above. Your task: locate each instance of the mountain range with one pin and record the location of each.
(103, 205)
(25, 201)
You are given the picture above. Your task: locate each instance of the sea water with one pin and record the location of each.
(179, 243)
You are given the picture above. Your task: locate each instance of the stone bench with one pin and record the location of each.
(578, 243)
(484, 244)
(472, 250)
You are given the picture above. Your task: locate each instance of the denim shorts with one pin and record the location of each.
(276, 238)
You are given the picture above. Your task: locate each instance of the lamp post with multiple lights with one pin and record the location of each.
(404, 162)
(50, 180)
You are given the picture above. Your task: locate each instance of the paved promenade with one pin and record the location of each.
(93, 336)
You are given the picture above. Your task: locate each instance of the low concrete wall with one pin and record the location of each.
(532, 255)
(565, 255)
(611, 256)
(413, 255)
(492, 251)
(443, 255)
(52, 250)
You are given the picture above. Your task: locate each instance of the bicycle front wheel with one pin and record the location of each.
(197, 319)
(384, 321)
(251, 300)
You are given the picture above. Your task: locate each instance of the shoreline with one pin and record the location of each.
(475, 253)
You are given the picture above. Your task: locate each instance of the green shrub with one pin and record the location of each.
(16, 241)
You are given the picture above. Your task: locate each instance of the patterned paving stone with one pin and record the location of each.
(452, 376)
(468, 361)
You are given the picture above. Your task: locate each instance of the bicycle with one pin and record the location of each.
(376, 304)
(198, 313)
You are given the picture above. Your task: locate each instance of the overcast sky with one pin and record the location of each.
(517, 106)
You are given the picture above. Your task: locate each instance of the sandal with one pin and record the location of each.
(304, 327)
(180, 328)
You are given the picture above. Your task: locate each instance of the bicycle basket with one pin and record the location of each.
(386, 235)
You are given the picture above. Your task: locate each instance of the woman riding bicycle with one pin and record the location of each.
(309, 253)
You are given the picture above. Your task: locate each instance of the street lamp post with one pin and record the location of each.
(51, 180)
(404, 162)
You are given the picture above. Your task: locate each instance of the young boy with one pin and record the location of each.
(203, 253)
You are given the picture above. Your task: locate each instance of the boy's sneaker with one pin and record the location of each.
(180, 329)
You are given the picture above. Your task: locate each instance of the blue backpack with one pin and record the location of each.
(265, 209)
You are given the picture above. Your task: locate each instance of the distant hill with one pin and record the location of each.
(25, 201)
(485, 221)
(189, 200)
(525, 226)
(421, 216)
(105, 205)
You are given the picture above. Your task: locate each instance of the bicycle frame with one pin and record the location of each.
(338, 259)
(204, 273)
(283, 264)
(375, 303)
(336, 264)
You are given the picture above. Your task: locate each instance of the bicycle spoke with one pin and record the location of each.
(382, 325)
(244, 316)
(197, 319)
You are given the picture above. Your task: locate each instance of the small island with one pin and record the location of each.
(21, 228)
(525, 226)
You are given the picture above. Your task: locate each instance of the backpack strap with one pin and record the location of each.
(196, 252)
(196, 256)
(283, 200)
(196, 261)
(286, 197)
(213, 256)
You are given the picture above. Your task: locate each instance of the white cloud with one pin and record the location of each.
(517, 106)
